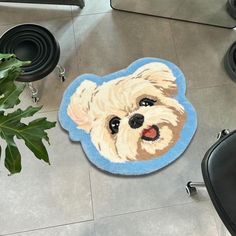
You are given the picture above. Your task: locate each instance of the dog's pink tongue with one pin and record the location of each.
(150, 133)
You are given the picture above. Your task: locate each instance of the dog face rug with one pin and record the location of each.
(131, 122)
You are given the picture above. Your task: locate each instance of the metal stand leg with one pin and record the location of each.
(61, 73)
(81, 4)
(223, 133)
(34, 92)
(191, 187)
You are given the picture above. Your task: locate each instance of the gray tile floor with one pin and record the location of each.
(71, 197)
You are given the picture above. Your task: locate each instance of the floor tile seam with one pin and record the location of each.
(74, 17)
(48, 227)
(95, 231)
(91, 191)
(34, 21)
(209, 87)
(71, 12)
(171, 22)
(177, 10)
(75, 41)
(149, 210)
(91, 14)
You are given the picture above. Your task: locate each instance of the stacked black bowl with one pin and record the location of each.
(230, 61)
(231, 8)
(30, 42)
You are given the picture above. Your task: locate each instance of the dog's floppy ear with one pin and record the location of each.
(160, 75)
(79, 105)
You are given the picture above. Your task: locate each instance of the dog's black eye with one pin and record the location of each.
(146, 102)
(114, 125)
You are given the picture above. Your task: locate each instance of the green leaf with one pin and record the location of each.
(13, 157)
(32, 134)
(10, 67)
(10, 60)
(12, 120)
(10, 96)
(11, 125)
(9, 74)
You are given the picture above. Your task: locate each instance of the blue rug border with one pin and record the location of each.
(135, 167)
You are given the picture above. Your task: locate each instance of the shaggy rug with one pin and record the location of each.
(131, 122)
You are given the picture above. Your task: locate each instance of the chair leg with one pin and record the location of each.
(61, 73)
(34, 92)
(191, 187)
(81, 4)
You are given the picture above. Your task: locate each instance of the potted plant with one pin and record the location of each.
(11, 125)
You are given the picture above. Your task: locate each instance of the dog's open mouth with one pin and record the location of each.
(151, 134)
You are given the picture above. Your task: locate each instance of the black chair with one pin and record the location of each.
(219, 174)
(79, 3)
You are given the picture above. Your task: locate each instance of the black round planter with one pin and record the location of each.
(230, 61)
(231, 8)
(33, 43)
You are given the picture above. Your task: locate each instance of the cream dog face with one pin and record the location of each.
(130, 118)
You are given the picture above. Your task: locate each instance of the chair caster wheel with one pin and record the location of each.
(35, 99)
(223, 133)
(62, 78)
(190, 190)
(61, 73)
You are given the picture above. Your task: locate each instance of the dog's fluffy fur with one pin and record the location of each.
(92, 107)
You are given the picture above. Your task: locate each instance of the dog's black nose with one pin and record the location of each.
(136, 121)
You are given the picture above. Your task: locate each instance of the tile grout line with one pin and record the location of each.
(207, 87)
(77, 53)
(151, 209)
(48, 227)
(73, 24)
(171, 22)
(71, 14)
(90, 185)
(59, 17)
(173, 39)
(91, 14)
(178, 8)
(94, 226)
(75, 44)
(34, 21)
(105, 217)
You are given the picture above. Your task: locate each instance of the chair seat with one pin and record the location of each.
(219, 173)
